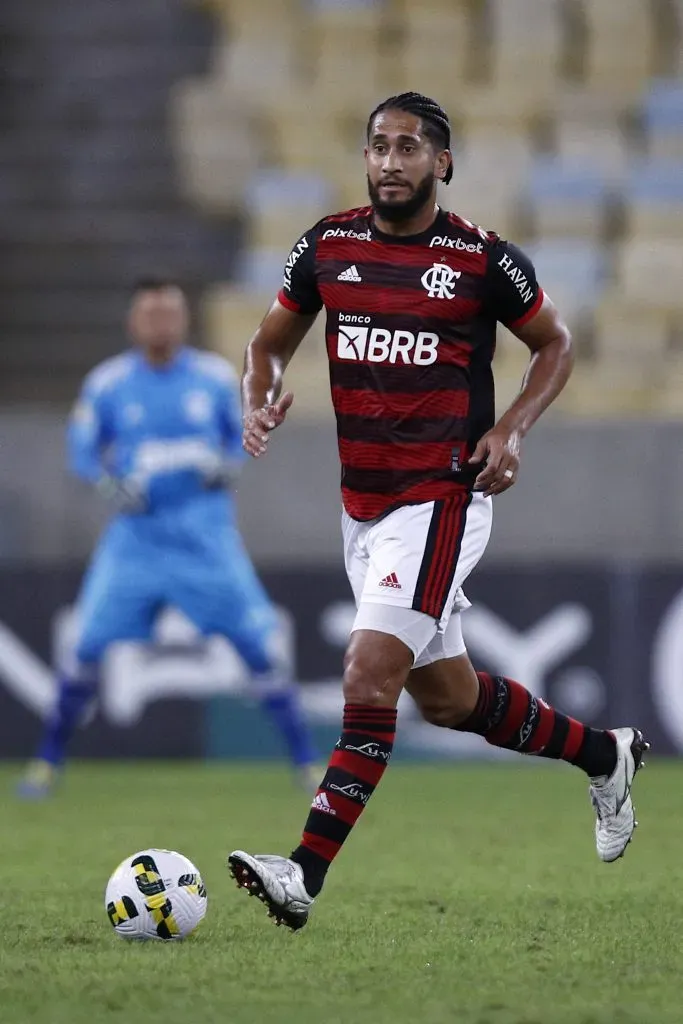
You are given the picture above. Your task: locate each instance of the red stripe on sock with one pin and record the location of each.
(574, 740)
(355, 764)
(514, 717)
(346, 810)
(325, 848)
(544, 729)
(370, 709)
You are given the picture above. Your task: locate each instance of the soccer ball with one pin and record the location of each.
(155, 894)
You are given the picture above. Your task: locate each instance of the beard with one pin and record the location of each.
(400, 211)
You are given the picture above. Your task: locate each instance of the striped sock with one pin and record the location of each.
(508, 716)
(356, 766)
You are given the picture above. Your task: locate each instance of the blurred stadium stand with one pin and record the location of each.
(89, 197)
(570, 140)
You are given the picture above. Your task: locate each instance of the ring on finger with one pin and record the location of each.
(508, 474)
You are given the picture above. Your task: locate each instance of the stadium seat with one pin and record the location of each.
(493, 206)
(261, 269)
(527, 41)
(599, 390)
(230, 317)
(663, 120)
(649, 273)
(593, 142)
(654, 194)
(568, 199)
(670, 387)
(282, 205)
(344, 42)
(435, 56)
(629, 332)
(253, 60)
(480, 192)
(493, 153)
(572, 272)
(621, 45)
(213, 169)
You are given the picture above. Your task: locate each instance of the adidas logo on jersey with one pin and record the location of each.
(321, 803)
(350, 274)
(390, 581)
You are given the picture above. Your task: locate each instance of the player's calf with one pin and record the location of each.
(376, 668)
(73, 699)
(507, 715)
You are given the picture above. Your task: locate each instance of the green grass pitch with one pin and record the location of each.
(468, 894)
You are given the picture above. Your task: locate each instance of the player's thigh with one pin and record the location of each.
(119, 600)
(222, 594)
(420, 555)
(356, 558)
(382, 561)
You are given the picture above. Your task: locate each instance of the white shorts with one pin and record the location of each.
(407, 569)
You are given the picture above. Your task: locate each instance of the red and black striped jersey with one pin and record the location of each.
(411, 330)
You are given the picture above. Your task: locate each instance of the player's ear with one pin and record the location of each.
(443, 163)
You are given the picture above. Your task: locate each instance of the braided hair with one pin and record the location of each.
(435, 123)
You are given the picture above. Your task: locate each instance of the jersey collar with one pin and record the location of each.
(435, 228)
(178, 362)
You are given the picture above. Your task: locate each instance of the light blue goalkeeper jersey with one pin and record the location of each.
(160, 427)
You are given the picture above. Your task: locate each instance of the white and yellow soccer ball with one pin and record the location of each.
(155, 894)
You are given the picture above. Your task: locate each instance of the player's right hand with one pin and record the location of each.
(126, 495)
(258, 424)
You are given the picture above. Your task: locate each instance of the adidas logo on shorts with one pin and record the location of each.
(390, 581)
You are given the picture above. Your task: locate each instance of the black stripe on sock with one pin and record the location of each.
(345, 784)
(558, 736)
(358, 725)
(500, 703)
(329, 826)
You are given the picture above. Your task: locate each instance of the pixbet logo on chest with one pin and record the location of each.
(378, 345)
(456, 243)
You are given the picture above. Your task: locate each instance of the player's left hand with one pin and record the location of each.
(499, 449)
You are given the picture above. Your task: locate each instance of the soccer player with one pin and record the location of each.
(412, 295)
(157, 430)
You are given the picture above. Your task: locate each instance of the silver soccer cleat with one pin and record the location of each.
(611, 796)
(278, 882)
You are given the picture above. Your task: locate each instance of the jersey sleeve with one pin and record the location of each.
(88, 432)
(299, 290)
(514, 294)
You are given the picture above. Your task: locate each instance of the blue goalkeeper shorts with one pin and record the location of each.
(131, 579)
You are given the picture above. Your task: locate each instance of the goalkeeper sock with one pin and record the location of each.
(72, 701)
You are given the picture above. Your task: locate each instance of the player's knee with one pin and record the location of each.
(375, 671)
(88, 652)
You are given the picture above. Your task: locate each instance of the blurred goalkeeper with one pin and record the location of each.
(157, 431)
